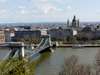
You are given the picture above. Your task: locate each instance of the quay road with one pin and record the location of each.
(78, 45)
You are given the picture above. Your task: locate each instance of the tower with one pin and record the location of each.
(68, 23)
(78, 23)
(74, 21)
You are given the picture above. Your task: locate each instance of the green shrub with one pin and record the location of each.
(16, 67)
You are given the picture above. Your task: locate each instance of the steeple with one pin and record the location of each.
(78, 23)
(68, 23)
(74, 21)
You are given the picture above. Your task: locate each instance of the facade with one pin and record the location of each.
(60, 34)
(9, 33)
(84, 36)
(2, 36)
(87, 33)
(7, 36)
(97, 34)
(27, 36)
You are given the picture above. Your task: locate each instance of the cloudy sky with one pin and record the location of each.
(48, 10)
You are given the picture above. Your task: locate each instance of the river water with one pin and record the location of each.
(51, 63)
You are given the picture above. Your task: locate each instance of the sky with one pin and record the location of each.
(48, 10)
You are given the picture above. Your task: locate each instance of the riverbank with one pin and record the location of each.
(77, 45)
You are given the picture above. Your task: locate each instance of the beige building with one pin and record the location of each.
(2, 36)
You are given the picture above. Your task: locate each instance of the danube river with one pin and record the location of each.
(51, 63)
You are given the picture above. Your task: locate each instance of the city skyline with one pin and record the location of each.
(48, 10)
